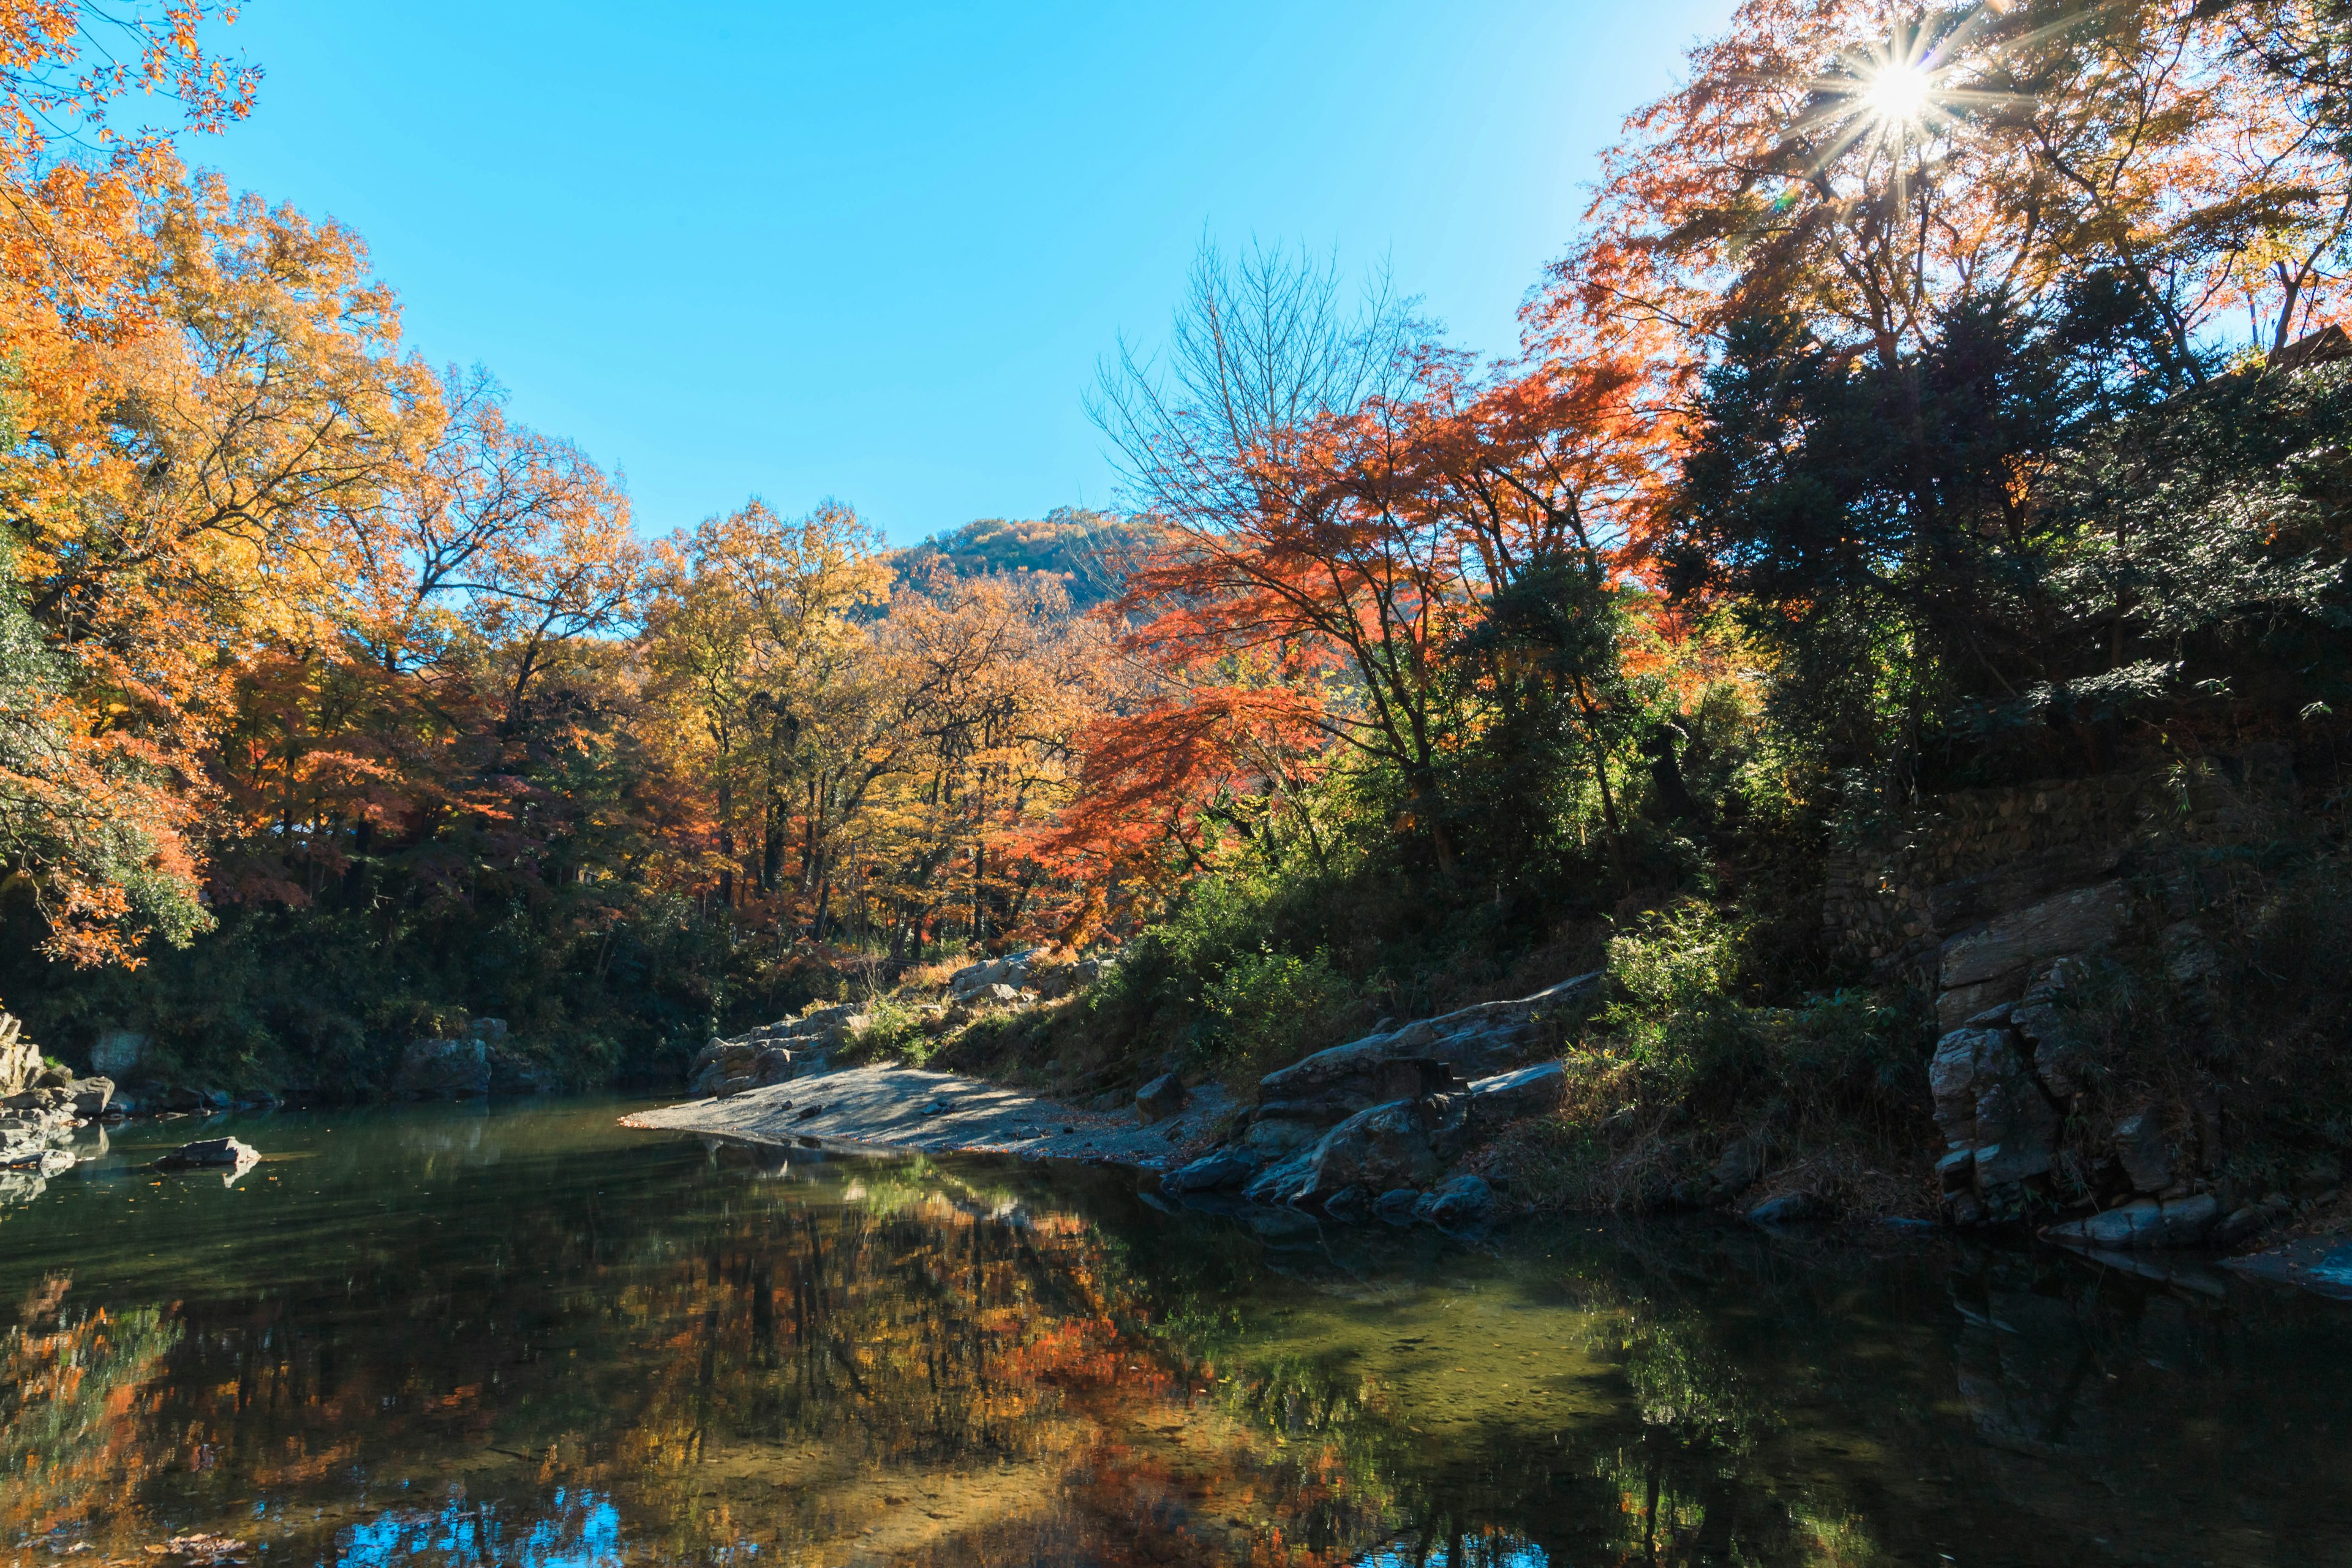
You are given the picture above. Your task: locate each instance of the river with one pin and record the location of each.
(525, 1335)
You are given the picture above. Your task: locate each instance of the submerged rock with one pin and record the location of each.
(1789, 1208)
(1381, 1147)
(2320, 1263)
(1457, 1202)
(1348, 1204)
(2144, 1224)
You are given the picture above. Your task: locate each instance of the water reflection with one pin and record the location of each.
(460, 1339)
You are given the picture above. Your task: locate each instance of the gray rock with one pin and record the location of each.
(2143, 1225)
(1736, 1171)
(2017, 1128)
(2059, 1060)
(1511, 1096)
(513, 1073)
(119, 1053)
(1161, 1098)
(1963, 1060)
(1277, 1136)
(1010, 972)
(1219, 1170)
(207, 1153)
(1789, 1208)
(33, 1152)
(1348, 1204)
(1486, 1107)
(1396, 1204)
(1458, 1203)
(1998, 1127)
(91, 1095)
(2248, 1221)
(20, 1059)
(2144, 1151)
(1382, 1147)
(446, 1070)
(1470, 1043)
(1993, 962)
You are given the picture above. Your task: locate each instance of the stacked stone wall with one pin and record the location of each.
(1891, 902)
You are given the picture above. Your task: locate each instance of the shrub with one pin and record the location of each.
(1266, 1009)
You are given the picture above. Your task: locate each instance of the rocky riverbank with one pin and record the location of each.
(910, 1109)
(42, 1107)
(1393, 1125)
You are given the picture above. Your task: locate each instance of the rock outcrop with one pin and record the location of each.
(2000, 1128)
(1011, 970)
(40, 1107)
(1429, 1057)
(773, 1053)
(1995, 962)
(20, 1059)
(479, 1065)
(1374, 1126)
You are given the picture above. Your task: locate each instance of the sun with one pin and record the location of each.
(1898, 93)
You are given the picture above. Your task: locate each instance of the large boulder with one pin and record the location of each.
(1220, 1170)
(20, 1059)
(1052, 980)
(726, 1068)
(1458, 1203)
(1011, 971)
(1993, 962)
(2000, 1129)
(771, 1053)
(208, 1154)
(1473, 1042)
(2144, 1151)
(1377, 1148)
(1161, 1098)
(1486, 1107)
(446, 1070)
(91, 1095)
(119, 1053)
(512, 1073)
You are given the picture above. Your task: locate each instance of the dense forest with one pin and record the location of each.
(1928, 400)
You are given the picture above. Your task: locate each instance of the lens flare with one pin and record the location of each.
(1898, 92)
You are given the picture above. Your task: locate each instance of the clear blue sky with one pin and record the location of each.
(875, 252)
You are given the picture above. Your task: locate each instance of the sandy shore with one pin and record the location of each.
(893, 1108)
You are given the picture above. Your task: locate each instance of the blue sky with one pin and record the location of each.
(875, 253)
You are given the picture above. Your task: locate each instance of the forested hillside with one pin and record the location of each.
(1088, 554)
(1925, 403)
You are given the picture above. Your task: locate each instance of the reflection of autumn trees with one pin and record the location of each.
(71, 1402)
(948, 1365)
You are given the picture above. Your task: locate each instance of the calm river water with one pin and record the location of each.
(528, 1336)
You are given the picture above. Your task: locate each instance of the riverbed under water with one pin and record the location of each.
(526, 1335)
